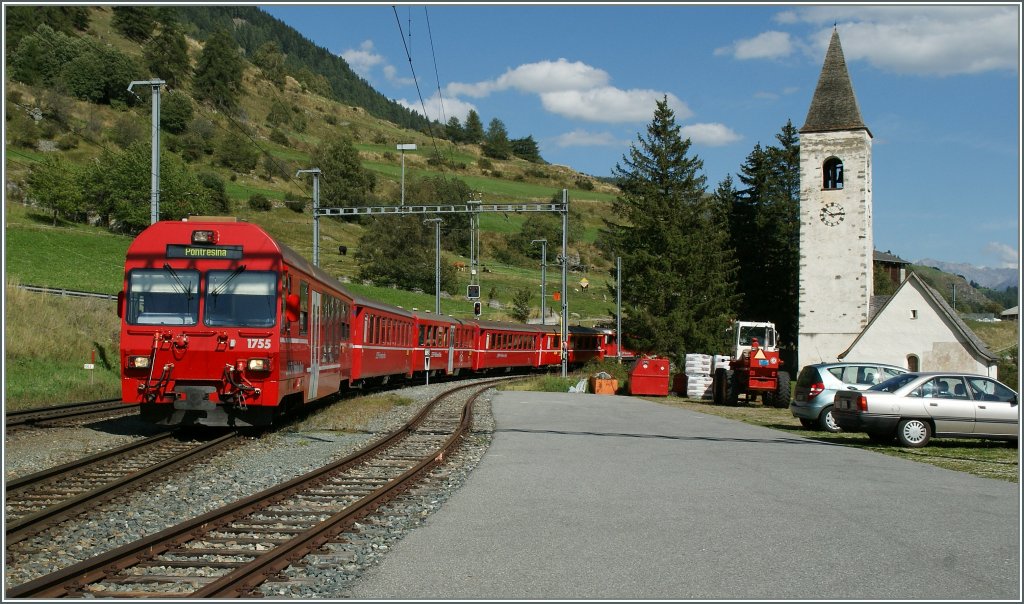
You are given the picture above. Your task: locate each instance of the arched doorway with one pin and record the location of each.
(913, 362)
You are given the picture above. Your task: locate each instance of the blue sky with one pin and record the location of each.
(938, 86)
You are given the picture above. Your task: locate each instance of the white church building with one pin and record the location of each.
(840, 317)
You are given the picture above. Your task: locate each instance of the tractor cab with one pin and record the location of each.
(750, 334)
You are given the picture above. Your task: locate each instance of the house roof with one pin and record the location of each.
(834, 105)
(888, 257)
(1010, 312)
(943, 308)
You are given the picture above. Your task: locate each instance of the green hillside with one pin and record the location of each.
(78, 256)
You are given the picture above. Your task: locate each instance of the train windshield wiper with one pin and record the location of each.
(224, 284)
(185, 289)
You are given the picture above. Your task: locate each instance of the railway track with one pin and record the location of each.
(231, 551)
(63, 414)
(47, 498)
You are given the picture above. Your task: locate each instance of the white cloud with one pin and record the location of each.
(540, 77)
(582, 138)
(922, 40)
(711, 135)
(363, 59)
(611, 105)
(768, 45)
(574, 90)
(451, 108)
(1006, 254)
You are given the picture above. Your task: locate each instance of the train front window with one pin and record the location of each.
(240, 298)
(162, 296)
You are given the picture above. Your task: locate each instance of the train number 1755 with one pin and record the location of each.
(258, 342)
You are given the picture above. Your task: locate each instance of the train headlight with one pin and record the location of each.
(259, 364)
(205, 236)
(138, 362)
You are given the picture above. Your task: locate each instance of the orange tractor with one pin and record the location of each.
(754, 370)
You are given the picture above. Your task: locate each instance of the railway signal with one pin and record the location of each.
(476, 309)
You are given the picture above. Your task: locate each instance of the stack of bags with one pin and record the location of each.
(698, 375)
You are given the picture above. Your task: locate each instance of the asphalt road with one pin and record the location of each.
(609, 497)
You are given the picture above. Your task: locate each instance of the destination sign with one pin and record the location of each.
(224, 252)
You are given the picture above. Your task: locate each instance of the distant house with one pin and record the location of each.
(917, 329)
(1010, 314)
(895, 266)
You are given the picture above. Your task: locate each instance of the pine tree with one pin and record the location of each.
(453, 130)
(166, 56)
(765, 232)
(677, 289)
(526, 148)
(344, 182)
(496, 143)
(134, 22)
(269, 59)
(474, 128)
(218, 77)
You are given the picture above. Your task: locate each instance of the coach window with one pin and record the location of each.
(832, 173)
(162, 297)
(303, 308)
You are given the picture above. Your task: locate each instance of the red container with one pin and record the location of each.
(649, 377)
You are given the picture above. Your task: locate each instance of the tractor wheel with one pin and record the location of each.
(782, 393)
(718, 386)
(732, 388)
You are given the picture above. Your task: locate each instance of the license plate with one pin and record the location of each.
(801, 397)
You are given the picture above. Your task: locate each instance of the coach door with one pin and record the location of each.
(315, 342)
(451, 349)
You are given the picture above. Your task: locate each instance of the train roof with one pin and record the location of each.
(506, 326)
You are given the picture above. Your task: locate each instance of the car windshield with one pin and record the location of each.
(894, 383)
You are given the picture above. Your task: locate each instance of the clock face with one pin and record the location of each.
(832, 214)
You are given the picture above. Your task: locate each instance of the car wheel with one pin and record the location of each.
(807, 423)
(826, 422)
(913, 433)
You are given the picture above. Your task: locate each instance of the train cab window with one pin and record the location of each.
(162, 297)
(240, 298)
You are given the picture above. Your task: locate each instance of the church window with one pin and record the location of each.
(832, 173)
(913, 314)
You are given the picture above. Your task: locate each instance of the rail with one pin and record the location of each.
(280, 524)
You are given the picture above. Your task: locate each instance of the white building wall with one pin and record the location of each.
(910, 325)
(836, 269)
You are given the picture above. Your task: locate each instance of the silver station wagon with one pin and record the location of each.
(914, 407)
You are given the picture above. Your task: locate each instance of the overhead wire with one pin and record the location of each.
(419, 93)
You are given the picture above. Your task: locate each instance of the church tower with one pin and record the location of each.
(836, 242)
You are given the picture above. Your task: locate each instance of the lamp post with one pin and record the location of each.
(403, 148)
(543, 278)
(437, 262)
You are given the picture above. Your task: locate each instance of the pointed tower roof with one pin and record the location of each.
(834, 106)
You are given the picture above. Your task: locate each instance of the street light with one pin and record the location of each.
(543, 278)
(403, 148)
(437, 262)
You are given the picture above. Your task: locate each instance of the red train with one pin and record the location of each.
(221, 325)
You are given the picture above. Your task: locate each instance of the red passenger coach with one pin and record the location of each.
(223, 326)
(382, 337)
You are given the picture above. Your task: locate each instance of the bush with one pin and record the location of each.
(260, 203)
(295, 205)
(276, 136)
(484, 164)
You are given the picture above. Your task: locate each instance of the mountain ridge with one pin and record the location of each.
(992, 278)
